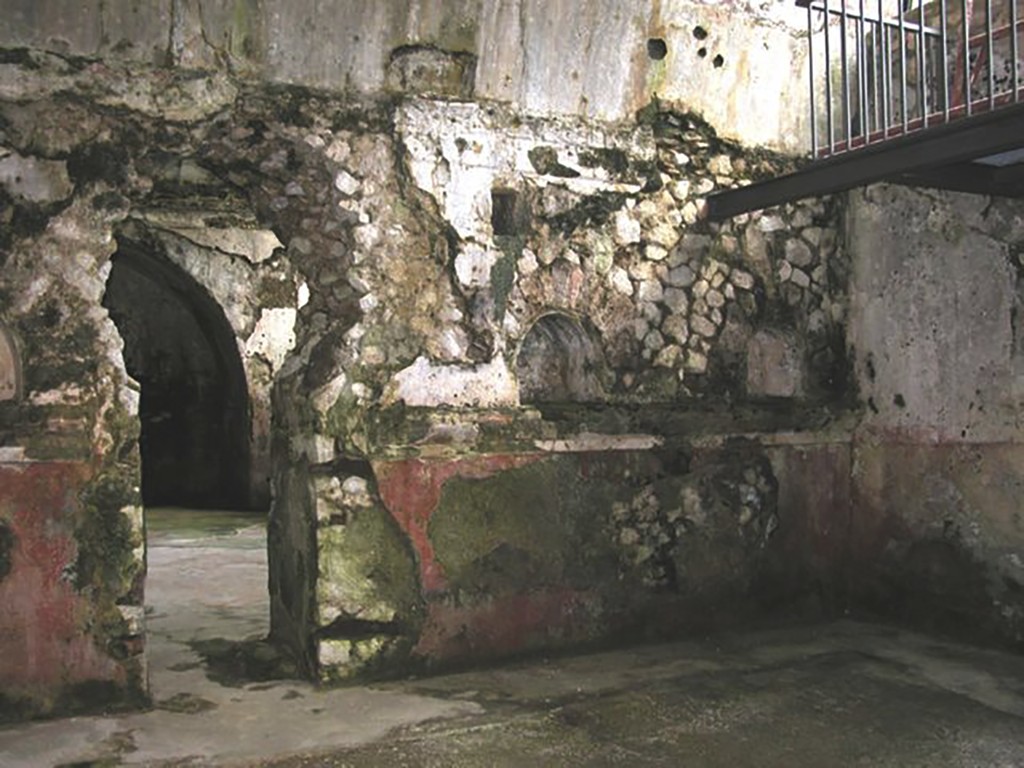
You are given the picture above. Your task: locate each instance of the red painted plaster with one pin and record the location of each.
(411, 490)
(507, 624)
(44, 640)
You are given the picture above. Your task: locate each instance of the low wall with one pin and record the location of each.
(446, 556)
(62, 648)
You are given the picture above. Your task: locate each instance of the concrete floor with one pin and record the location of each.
(843, 694)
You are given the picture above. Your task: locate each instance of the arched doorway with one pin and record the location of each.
(194, 402)
(206, 584)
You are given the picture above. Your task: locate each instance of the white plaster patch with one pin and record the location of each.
(317, 449)
(619, 279)
(473, 266)
(134, 618)
(450, 344)
(425, 383)
(254, 245)
(67, 394)
(346, 183)
(334, 653)
(458, 154)
(35, 180)
(274, 336)
(627, 228)
(327, 395)
(12, 454)
(592, 441)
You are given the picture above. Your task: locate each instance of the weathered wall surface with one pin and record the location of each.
(80, 180)
(70, 628)
(582, 244)
(375, 261)
(935, 324)
(469, 277)
(569, 542)
(585, 58)
(71, 588)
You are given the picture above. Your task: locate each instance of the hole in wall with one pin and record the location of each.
(656, 48)
(702, 52)
(558, 362)
(700, 33)
(718, 61)
(509, 214)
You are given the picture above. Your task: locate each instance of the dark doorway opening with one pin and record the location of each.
(194, 403)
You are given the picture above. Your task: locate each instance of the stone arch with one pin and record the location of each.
(10, 366)
(558, 361)
(194, 406)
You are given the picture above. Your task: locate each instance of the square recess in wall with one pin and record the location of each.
(509, 214)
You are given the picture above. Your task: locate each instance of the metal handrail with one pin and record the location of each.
(897, 66)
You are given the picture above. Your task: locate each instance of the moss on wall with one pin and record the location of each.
(540, 525)
(366, 573)
(106, 537)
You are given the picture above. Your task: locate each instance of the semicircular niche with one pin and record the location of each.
(558, 362)
(10, 366)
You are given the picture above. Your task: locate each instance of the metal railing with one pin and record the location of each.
(885, 68)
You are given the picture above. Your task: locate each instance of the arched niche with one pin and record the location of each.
(194, 403)
(10, 366)
(558, 362)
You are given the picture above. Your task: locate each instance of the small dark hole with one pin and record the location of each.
(657, 49)
(509, 216)
(718, 60)
(700, 33)
(899, 401)
(702, 52)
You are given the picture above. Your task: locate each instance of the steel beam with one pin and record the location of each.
(939, 146)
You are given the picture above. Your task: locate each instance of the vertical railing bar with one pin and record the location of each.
(828, 82)
(1014, 52)
(922, 65)
(878, 79)
(844, 72)
(945, 61)
(810, 65)
(862, 78)
(903, 67)
(886, 73)
(991, 54)
(965, 22)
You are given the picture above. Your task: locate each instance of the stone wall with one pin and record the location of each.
(677, 343)
(85, 175)
(391, 272)
(935, 324)
(599, 59)
(72, 555)
(513, 391)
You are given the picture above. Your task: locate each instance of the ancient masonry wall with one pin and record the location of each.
(936, 325)
(382, 265)
(80, 180)
(516, 529)
(512, 390)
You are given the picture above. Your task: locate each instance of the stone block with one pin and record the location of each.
(775, 365)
